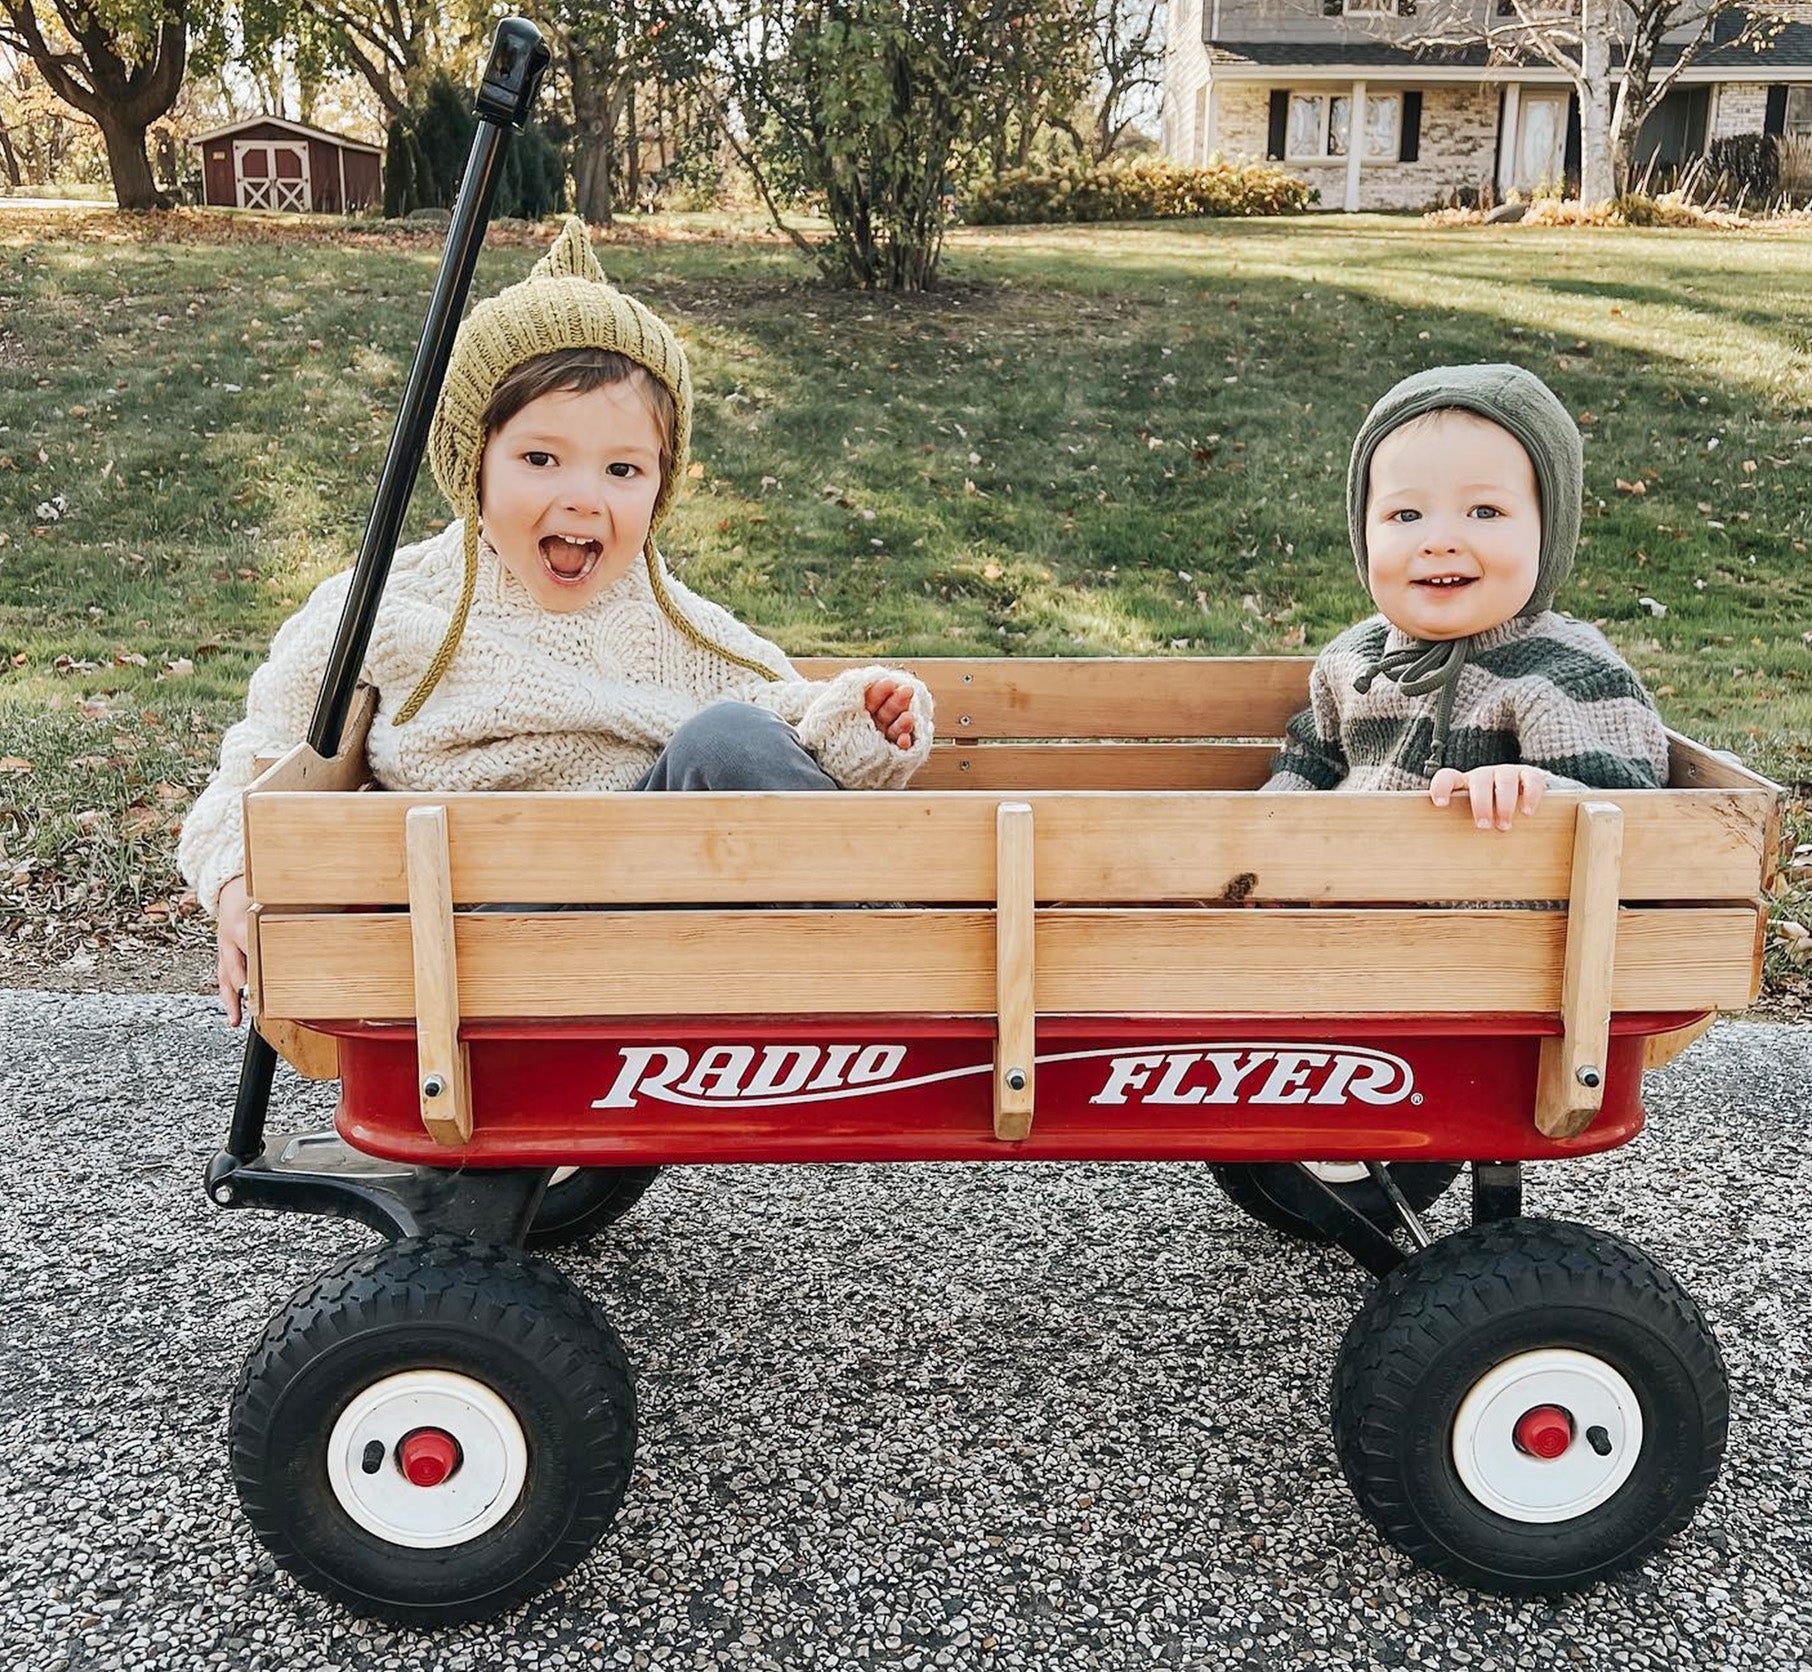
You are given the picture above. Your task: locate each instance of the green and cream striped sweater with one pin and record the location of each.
(1546, 691)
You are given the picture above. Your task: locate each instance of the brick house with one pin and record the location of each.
(1290, 79)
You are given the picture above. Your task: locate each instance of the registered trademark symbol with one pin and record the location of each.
(1415, 1097)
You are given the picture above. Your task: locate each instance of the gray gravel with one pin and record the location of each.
(955, 1416)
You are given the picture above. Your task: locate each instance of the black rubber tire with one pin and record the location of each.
(580, 1206)
(1276, 1194)
(495, 1314)
(1444, 1318)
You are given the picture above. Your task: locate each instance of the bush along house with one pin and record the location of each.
(1348, 96)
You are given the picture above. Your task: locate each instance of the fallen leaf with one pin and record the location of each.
(15, 763)
(694, 471)
(1631, 487)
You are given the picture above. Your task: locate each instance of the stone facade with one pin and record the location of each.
(1737, 107)
(1458, 145)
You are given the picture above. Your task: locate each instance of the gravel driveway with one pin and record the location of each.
(921, 1416)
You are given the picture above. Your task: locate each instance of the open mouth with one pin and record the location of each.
(1446, 583)
(569, 561)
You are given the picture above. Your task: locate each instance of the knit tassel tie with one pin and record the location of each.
(1421, 666)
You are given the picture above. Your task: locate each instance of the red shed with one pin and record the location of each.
(266, 162)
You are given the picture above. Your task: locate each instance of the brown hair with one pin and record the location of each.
(579, 371)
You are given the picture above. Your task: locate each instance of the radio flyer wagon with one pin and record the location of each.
(1113, 949)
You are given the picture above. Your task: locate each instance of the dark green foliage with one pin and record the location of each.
(399, 172)
(1138, 191)
(427, 153)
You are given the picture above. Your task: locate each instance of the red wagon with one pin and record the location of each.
(1099, 943)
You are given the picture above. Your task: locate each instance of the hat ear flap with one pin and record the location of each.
(570, 257)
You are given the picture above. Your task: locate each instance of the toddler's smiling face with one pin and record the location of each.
(1452, 526)
(567, 490)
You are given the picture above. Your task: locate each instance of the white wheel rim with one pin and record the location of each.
(1522, 1487)
(479, 1493)
(1338, 1172)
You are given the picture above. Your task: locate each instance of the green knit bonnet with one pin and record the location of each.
(564, 303)
(1521, 403)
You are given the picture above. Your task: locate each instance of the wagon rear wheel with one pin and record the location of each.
(1530, 1406)
(581, 1201)
(434, 1431)
(1276, 1193)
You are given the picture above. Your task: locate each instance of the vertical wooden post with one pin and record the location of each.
(1015, 918)
(443, 1076)
(1569, 1089)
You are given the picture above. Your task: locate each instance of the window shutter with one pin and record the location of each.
(1409, 140)
(1570, 166)
(1280, 120)
(1774, 121)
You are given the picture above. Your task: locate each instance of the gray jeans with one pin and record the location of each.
(735, 746)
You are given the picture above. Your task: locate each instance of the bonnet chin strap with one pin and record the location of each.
(1421, 666)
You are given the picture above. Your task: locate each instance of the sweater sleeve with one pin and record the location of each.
(1312, 757)
(1590, 724)
(278, 704)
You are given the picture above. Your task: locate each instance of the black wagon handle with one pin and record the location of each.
(512, 77)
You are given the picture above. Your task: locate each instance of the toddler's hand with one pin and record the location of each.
(230, 961)
(1494, 791)
(889, 705)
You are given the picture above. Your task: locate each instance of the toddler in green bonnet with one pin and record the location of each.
(540, 641)
(1463, 504)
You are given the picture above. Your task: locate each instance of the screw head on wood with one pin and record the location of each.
(433, 1086)
(1016, 1079)
(1588, 1076)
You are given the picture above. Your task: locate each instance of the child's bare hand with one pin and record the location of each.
(890, 707)
(1495, 791)
(234, 931)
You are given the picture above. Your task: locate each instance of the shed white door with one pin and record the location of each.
(272, 174)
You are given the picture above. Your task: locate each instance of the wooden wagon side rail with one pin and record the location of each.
(317, 851)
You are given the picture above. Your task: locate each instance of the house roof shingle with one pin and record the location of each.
(1791, 50)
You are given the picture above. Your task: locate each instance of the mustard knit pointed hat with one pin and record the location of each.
(565, 302)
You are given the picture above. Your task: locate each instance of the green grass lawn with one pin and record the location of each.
(1124, 440)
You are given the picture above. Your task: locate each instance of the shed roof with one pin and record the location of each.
(293, 127)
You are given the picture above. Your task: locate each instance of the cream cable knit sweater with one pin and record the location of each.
(533, 700)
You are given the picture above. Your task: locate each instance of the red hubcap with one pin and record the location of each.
(1544, 1432)
(428, 1456)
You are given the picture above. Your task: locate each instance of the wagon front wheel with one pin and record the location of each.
(1529, 1406)
(434, 1431)
(1276, 1194)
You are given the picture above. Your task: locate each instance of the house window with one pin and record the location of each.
(1371, 8)
(1799, 111)
(1321, 126)
(1539, 8)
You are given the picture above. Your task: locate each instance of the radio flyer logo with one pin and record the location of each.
(1215, 1075)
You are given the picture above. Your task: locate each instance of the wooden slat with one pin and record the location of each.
(315, 1056)
(1015, 966)
(303, 769)
(1659, 1049)
(1227, 962)
(443, 1077)
(1057, 765)
(656, 849)
(1104, 696)
(1569, 1088)
(1692, 766)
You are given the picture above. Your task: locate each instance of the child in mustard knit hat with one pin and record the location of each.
(539, 641)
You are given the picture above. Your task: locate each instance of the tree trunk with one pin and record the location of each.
(13, 178)
(594, 141)
(133, 185)
(1597, 182)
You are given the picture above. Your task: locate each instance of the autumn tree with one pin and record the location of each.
(873, 106)
(120, 63)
